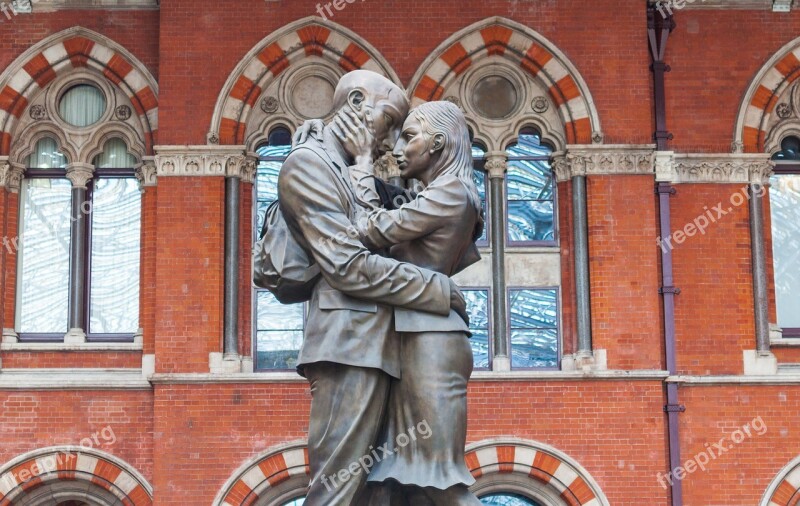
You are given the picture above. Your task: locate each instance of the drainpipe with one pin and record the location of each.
(659, 26)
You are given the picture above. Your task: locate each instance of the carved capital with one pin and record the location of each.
(146, 173)
(80, 174)
(191, 161)
(604, 159)
(496, 164)
(722, 168)
(11, 175)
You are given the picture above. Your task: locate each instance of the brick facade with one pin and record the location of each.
(189, 434)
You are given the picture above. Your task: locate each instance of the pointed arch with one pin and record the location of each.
(785, 488)
(263, 473)
(28, 472)
(523, 47)
(758, 105)
(273, 55)
(71, 49)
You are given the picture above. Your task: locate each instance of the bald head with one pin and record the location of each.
(377, 101)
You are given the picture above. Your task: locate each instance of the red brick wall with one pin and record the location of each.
(189, 272)
(147, 276)
(714, 316)
(709, 78)
(67, 359)
(194, 66)
(624, 272)
(39, 419)
(742, 473)
(136, 31)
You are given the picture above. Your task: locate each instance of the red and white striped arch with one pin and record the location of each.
(72, 463)
(771, 81)
(277, 52)
(785, 488)
(261, 474)
(63, 52)
(540, 462)
(498, 37)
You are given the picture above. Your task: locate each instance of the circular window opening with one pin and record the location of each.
(82, 105)
(495, 97)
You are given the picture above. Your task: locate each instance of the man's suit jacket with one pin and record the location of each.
(349, 318)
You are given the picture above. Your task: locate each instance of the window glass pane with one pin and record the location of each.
(534, 328)
(269, 165)
(530, 187)
(507, 500)
(785, 207)
(279, 332)
(46, 155)
(300, 501)
(478, 311)
(44, 243)
(82, 105)
(790, 149)
(480, 179)
(530, 220)
(116, 234)
(115, 156)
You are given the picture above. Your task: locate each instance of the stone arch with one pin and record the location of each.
(29, 473)
(785, 488)
(757, 112)
(499, 40)
(333, 44)
(63, 52)
(563, 476)
(264, 473)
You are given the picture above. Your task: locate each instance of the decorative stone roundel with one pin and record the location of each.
(38, 112)
(540, 105)
(269, 104)
(122, 112)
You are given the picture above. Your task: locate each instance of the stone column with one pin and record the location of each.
(496, 165)
(79, 174)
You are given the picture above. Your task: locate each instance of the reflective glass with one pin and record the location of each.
(115, 156)
(43, 246)
(46, 155)
(534, 328)
(530, 187)
(507, 500)
(478, 311)
(82, 105)
(279, 332)
(785, 208)
(116, 213)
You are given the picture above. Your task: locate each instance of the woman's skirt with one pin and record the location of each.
(426, 421)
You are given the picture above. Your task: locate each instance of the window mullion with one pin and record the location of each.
(79, 174)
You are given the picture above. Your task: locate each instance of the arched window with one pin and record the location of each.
(784, 196)
(278, 327)
(531, 192)
(479, 176)
(44, 243)
(502, 499)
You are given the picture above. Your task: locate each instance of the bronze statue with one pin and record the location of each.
(350, 353)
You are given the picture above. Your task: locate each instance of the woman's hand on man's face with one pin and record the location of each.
(354, 135)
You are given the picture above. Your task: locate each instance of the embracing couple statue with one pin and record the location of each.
(386, 349)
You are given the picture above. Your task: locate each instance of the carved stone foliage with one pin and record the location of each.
(201, 161)
(80, 174)
(146, 174)
(10, 176)
(723, 168)
(603, 160)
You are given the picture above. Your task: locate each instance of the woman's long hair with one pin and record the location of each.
(456, 157)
